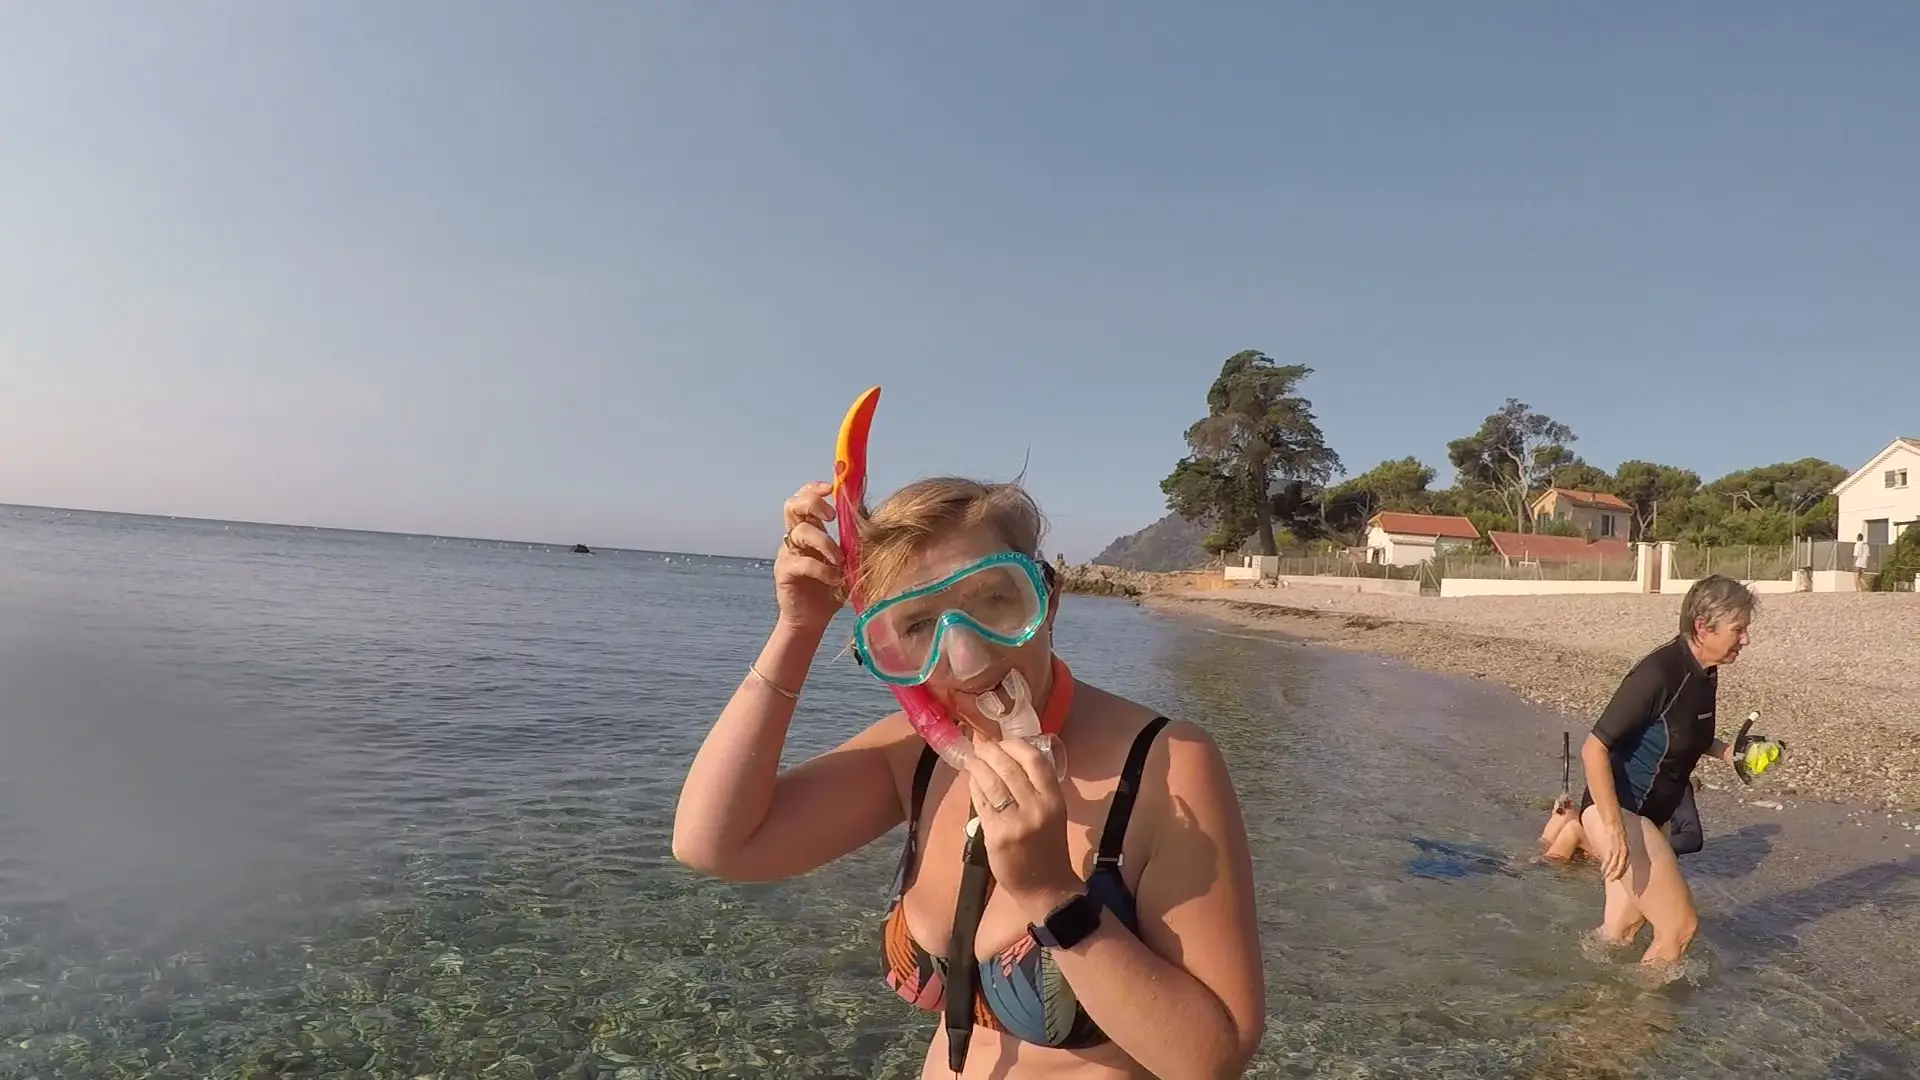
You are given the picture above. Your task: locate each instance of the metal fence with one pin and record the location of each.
(1838, 555)
(1495, 566)
(1460, 566)
(1743, 562)
(1343, 566)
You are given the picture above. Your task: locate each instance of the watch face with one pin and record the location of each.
(1070, 922)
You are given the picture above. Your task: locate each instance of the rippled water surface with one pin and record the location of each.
(280, 802)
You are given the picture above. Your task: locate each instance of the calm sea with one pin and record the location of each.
(296, 802)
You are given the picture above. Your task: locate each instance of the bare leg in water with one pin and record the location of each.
(1563, 838)
(1651, 891)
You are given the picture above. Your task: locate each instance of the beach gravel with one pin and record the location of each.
(1835, 675)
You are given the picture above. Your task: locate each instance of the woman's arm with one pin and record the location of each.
(742, 819)
(1635, 703)
(1598, 768)
(1201, 1014)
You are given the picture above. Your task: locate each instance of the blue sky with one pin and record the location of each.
(612, 272)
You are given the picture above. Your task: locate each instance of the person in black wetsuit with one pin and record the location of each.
(1640, 757)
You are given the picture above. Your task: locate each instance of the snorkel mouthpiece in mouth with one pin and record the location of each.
(1017, 717)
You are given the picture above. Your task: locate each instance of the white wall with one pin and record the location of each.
(1531, 587)
(1253, 568)
(1679, 586)
(1402, 549)
(1870, 498)
(1833, 581)
(1398, 550)
(1392, 586)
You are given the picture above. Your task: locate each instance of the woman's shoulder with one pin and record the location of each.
(1185, 813)
(1185, 760)
(1178, 753)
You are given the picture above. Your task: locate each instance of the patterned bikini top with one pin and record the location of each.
(1021, 991)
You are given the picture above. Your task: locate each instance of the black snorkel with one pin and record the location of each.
(1566, 766)
(1745, 739)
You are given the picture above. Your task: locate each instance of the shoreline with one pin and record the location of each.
(1845, 745)
(1799, 863)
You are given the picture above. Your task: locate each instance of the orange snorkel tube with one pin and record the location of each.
(849, 493)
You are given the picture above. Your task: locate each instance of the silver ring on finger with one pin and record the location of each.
(1002, 805)
(786, 541)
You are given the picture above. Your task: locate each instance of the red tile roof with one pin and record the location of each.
(1589, 498)
(1539, 547)
(1404, 524)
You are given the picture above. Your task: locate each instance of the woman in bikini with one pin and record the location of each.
(1105, 917)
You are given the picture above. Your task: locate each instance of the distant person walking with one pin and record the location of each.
(1638, 762)
(1862, 552)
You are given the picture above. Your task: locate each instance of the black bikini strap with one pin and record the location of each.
(922, 777)
(1113, 839)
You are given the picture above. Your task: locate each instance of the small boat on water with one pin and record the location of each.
(582, 549)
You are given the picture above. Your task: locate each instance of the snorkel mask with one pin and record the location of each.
(1001, 600)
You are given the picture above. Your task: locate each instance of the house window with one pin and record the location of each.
(1606, 524)
(1896, 478)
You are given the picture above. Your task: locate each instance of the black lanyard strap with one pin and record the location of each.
(963, 970)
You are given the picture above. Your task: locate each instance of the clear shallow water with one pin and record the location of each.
(283, 802)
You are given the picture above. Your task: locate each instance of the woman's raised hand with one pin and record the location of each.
(806, 573)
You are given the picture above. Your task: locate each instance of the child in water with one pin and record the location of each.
(1562, 839)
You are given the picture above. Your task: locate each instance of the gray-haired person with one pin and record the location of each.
(1638, 761)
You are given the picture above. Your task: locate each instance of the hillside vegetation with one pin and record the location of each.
(1172, 543)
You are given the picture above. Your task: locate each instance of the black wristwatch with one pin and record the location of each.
(1068, 924)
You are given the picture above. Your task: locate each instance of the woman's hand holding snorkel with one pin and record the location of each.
(739, 815)
(807, 580)
(1023, 814)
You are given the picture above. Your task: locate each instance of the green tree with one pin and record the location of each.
(1797, 490)
(1548, 526)
(1205, 491)
(1391, 485)
(1576, 475)
(1647, 486)
(1900, 563)
(1490, 521)
(1511, 456)
(1258, 433)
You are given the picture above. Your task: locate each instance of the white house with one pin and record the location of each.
(1399, 539)
(1882, 497)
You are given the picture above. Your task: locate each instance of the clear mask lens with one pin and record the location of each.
(967, 656)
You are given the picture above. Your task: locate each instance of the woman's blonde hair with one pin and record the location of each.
(922, 512)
